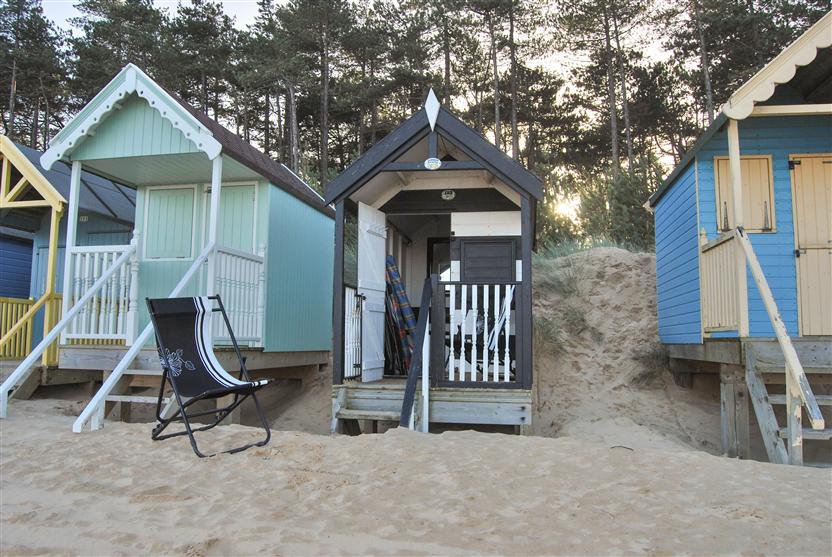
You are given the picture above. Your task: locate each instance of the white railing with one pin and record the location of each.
(240, 282)
(93, 413)
(352, 333)
(481, 328)
(799, 393)
(26, 366)
(108, 314)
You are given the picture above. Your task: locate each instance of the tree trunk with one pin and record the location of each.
(33, 134)
(446, 48)
(12, 98)
(362, 110)
(373, 104)
(324, 155)
(204, 94)
(611, 102)
(279, 132)
(496, 78)
(267, 140)
(515, 136)
(622, 75)
(292, 127)
(703, 61)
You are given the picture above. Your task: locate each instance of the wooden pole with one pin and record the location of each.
(71, 231)
(734, 166)
(49, 317)
(216, 185)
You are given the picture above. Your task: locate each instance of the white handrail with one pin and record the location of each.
(241, 254)
(94, 411)
(793, 365)
(25, 368)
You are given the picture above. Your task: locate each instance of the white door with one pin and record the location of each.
(372, 234)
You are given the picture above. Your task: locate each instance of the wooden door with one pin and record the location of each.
(237, 222)
(812, 183)
(372, 235)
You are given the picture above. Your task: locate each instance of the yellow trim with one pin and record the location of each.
(17, 331)
(12, 156)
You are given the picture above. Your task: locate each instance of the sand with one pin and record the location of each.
(620, 464)
(116, 492)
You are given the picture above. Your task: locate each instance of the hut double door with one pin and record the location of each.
(372, 242)
(812, 180)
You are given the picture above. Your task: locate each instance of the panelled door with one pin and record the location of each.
(236, 227)
(812, 183)
(372, 235)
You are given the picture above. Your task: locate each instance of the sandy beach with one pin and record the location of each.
(116, 492)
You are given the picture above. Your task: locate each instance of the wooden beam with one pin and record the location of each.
(793, 110)
(17, 189)
(338, 314)
(420, 167)
(26, 204)
(433, 145)
(734, 166)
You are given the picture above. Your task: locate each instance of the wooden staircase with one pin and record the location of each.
(764, 372)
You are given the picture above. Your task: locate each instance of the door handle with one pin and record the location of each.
(799, 251)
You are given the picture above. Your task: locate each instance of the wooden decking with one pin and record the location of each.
(382, 401)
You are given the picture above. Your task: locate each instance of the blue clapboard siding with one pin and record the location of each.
(15, 267)
(677, 263)
(778, 137)
(298, 276)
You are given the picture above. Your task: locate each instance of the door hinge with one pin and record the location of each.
(792, 164)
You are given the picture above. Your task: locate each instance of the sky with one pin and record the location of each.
(61, 11)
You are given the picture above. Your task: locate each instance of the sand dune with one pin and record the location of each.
(115, 492)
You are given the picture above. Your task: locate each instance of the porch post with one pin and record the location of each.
(50, 319)
(216, 185)
(71, 233)
(735, 168)
(524, 315)
(338, 297)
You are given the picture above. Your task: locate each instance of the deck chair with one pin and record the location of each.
(183, 335)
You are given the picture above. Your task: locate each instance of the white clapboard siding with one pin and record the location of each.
(106, 315)
(240, 282)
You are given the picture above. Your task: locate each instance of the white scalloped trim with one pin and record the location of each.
(780, 70)
(134, 81)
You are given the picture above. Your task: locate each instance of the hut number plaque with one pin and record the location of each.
(448, 195)
(433, 163)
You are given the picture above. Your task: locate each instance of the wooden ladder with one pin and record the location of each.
(764, 367)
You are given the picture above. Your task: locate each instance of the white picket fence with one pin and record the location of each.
(240, 282)
(108, 315)
(480, 329)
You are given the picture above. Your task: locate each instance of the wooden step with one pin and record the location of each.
(380, 415)
(823, 400)
(135, 398)
(811, 434)
(808, 370)
(154, 372)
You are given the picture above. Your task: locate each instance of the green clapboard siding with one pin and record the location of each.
(169, 224)
(135, 130)
(237, 222)
(298, 276)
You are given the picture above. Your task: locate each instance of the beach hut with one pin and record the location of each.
(213, 216)
(31, 279)
(437, 218)
(744, 250)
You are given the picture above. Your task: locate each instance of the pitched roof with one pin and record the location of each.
(405, 135)
(791, 64)
(98, 195)
(207, 135)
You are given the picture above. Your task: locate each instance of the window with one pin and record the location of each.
(757, 194)
(488, 261)
(169, 223)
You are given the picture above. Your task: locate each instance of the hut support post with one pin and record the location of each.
(50, 317)
(733, 394)
(338, 299)
(524, 302)
(71, 232)
(735, 168)
(216, 186)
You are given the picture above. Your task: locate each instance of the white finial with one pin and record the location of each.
(432, 108)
